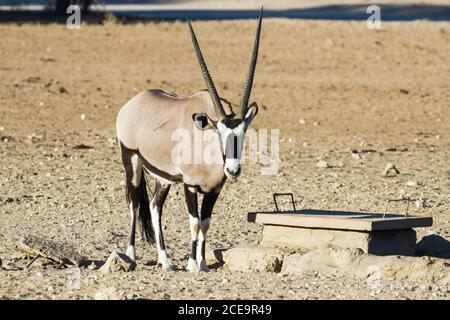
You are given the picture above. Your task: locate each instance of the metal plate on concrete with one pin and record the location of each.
(339, 220)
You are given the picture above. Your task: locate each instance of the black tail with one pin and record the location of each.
(145, 216)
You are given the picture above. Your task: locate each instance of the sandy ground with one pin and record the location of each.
(384, 93)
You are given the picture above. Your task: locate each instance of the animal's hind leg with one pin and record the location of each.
(133, 170)
(156, 205)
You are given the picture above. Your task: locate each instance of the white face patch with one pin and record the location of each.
(232, 142)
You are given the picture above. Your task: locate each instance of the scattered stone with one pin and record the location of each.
(391, 170)
(356, 156)
(82, 146)
(331, 261)
(61, 253)
(404, 91)
(322, 164)
(412, 184)
(83, 117)
(253, 259)
(35, 138)
(110, 293)
(33, 79)
(117, 262)
(9, 200)
(302, 121)
(62, 90)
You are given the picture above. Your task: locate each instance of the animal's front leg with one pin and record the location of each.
(191, 200)
(156, 206)
(209, 200)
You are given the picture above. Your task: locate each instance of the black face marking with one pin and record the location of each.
(231, 147)
(231, 122)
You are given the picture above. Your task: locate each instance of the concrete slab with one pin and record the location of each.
(384, 242)
(339, 220)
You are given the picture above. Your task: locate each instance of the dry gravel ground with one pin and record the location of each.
(383, 93)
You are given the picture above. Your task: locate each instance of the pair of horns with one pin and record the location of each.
(248, 83)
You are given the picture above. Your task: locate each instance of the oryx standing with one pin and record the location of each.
(144, 128)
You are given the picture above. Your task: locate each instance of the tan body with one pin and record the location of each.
(146, 123)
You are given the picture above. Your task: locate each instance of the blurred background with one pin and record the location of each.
(393, 10)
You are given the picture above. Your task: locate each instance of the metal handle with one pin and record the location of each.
(275, 195)
(408, 200)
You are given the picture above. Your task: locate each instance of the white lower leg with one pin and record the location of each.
(130, 249)
(204, 226)
(194, 227)
(163, 259)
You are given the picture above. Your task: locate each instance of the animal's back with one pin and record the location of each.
(147, 123)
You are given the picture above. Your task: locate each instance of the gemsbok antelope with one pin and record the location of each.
(145, 126)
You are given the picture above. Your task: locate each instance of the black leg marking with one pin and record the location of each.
(194, 226)
(209, 200)
(160, 195)
(193, 254)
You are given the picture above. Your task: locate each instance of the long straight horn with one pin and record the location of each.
(251, 70)
(208, 80)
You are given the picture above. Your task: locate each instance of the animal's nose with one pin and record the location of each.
(234, 172)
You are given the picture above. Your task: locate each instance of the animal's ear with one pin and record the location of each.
(203, 122)
(251, 113)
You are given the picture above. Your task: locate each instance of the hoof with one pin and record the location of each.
(192, 266)
(131, 253)
(168, 268)
(202, 266)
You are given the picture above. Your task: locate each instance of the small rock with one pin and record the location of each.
(83, 116)
(302, 121)
(62, 90)
(356, 156)
(9, 200)
(253, 259)
(118, 262)
(322, 164)
(390, 170)
(108, 294)
(412, 183)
